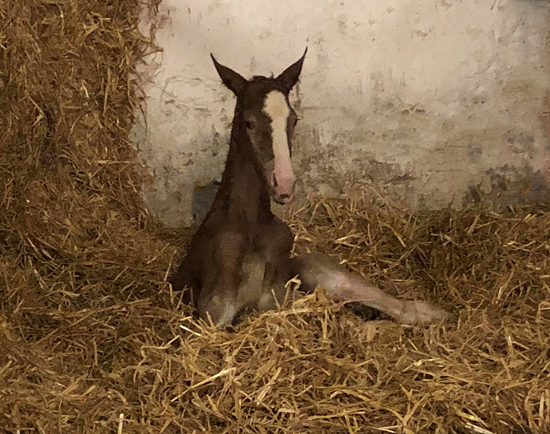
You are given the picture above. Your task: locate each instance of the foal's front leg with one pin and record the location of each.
(222, 275)
(274, 243)
(342, 285)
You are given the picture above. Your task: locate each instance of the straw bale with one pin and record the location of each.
(93, 339)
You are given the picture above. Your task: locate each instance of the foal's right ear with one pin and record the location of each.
(230, 78)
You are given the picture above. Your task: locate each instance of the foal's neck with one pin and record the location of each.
(242, 192)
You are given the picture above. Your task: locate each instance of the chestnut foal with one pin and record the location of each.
(239, 258)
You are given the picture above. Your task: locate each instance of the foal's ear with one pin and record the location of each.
(289, 76)
(230, 78)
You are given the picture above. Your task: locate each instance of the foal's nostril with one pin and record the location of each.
(274, 181)
(284, 196)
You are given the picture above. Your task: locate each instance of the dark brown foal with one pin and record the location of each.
(239, 258)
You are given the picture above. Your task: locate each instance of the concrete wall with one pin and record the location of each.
(434, 102)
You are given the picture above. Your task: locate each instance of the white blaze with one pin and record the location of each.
(276, 108)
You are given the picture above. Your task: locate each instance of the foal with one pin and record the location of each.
(239, 258)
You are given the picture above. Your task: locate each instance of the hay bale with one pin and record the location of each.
(93, 340)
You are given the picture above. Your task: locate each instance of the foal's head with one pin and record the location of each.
(266, 121)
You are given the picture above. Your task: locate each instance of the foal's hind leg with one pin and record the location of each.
(343, 285)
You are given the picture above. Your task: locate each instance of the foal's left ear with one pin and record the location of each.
(233, 80)
(289, 76)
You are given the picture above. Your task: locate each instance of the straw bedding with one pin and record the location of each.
(93, 340)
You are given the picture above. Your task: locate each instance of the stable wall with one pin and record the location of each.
(434, 103)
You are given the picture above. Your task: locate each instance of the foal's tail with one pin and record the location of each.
(317, 269)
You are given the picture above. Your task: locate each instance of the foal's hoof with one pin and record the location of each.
(416, 312)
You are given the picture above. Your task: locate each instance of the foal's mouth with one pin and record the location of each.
(284, 199)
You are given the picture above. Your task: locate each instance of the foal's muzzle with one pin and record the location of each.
(282, 185)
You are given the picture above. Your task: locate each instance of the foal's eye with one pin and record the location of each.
(248, 125)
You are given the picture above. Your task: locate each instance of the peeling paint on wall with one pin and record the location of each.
(418, 100)
(510, 187)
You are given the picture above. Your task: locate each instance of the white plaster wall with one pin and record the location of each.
(418, 99)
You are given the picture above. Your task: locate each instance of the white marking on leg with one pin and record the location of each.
(228, 314)
(276, 108)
